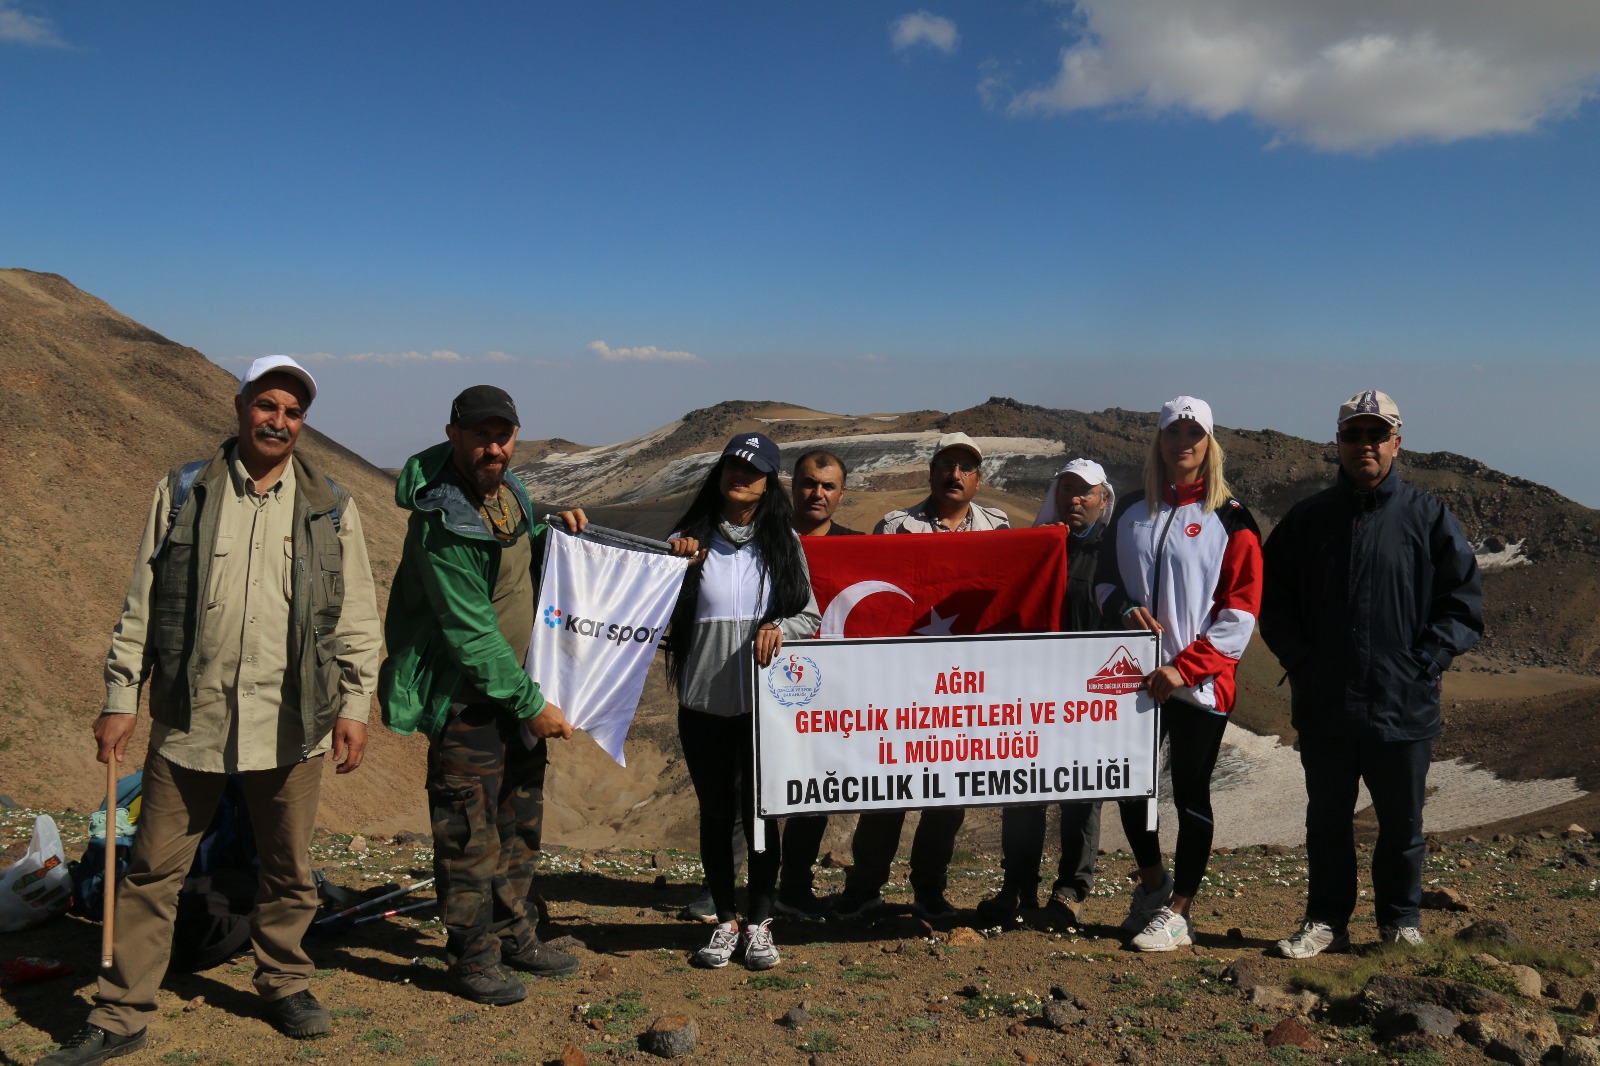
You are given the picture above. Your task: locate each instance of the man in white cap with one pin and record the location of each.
(954, 475)
(1080, 497)
(1370, 592)
(252, 614)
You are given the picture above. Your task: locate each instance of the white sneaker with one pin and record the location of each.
(760, 953)
(1144, 905)
(1313, 939)
(1408, 935)
(1167, 930)
(724, 942)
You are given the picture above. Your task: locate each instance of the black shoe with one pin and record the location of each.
(94, 1044)
(803, 905)
(934, 906)
(300, 1016)
(1004, 908)
(845, 906)
(543, 960)
(496, 986)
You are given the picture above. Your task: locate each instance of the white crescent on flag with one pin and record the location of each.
(839, 608)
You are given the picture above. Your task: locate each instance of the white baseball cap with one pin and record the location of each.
(1189, 407)
(280, 364)
(958, 440)
(1091, 472)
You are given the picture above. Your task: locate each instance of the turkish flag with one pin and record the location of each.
(940, 584)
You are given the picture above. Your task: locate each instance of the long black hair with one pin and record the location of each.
(783, 574)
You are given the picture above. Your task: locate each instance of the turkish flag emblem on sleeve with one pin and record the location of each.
(932, 584)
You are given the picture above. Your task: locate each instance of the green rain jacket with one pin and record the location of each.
(444, 645)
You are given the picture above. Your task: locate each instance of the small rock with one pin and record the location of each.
(833, 860)
(661, 861)
(1545, 834)
(1246, 974)
(357, 844)
(194, 1004)
(1483, 958)
(1528, 981)
(964, 937)
(1520, 1039)
(1016, 1029)
(586, 864)
(7, 802)
(406, 837)
(1028, 1057)
(1132, 1056)
(1278, 998)
(1236, 934)
(1059, 993)
(605, 971)
(1581, 1051)
(1064, 1014)
(1465, 864)
(795, 1018)
(572, 1055)
(660, 881)
(1414, 1019)
(1554, 990)
(1276, 850)
(1388, 990)
(1491, 930)
(815, 1060)
(1504, 838)
(1444, 899)
(1575, 832)
(1589, 1003)
(1291, 1033)
(671, 1037)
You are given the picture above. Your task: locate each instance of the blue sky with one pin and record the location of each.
(620, 211)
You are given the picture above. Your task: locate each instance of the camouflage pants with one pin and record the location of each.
(486, 802)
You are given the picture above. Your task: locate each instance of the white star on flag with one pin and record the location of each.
(938, 625)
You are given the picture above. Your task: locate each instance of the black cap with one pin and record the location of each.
(481, 402)
(757, 450)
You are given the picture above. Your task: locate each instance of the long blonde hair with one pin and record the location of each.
(1155, 476)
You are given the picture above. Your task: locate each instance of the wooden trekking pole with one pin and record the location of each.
(109, 911)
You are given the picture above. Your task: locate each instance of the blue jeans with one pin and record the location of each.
(1396, 775)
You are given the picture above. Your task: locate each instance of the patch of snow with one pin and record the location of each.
(1510, 555)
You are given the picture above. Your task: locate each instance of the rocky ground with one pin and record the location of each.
(898, 990)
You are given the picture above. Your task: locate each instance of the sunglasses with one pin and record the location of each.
(946, 466)
(1365, 434)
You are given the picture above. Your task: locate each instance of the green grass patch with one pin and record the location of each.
(382, 1041)
(1124, 982)
(774, 982)
(1286, 1054)
(992, 1004)
(1145, 1033)
(6, 1023)
(821, 1042)
(307, 1053)
(1166, 1001)
(350, 1012)
(921, 1025)
(181, 1058)
(463, 1018)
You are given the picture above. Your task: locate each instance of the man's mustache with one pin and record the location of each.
(272, 433)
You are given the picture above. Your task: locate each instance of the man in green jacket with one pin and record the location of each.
(458, 627)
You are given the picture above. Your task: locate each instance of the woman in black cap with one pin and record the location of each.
(748, 591)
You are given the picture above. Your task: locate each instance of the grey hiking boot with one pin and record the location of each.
(299, 1016)
(542, 960)
(700, 909)
(494, 987)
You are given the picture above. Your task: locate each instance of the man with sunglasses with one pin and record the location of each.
(1370, 591)
(954, 475)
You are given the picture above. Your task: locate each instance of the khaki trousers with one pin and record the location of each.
(177, 807)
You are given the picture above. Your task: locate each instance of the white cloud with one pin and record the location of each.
(405, 358)
(498, 357)
(648, 354)
(923, 27)
(1351, 75)
(19, 27)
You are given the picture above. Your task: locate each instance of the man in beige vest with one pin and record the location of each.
(252, 615)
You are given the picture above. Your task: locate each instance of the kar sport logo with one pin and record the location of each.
(794, 681)
(1120, 675)
(610, 632)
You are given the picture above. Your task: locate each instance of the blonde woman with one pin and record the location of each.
(1187, 564)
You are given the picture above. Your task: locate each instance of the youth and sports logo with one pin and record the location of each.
(552, 616)
(794, 680)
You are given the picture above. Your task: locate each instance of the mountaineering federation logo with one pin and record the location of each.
(552, 617)
(793, 680)
(1121, 674)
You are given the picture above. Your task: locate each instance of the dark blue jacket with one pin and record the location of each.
(1368, 598)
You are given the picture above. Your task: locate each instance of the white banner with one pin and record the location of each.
(914, 722)
(601, 612)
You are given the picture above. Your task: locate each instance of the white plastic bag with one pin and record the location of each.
(37, 886)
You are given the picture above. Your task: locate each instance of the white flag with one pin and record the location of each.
(601, 612)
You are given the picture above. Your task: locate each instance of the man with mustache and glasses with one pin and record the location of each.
(1370, 592)
(1080, 497)
(252, 614)
(458, 628)
(954, 475)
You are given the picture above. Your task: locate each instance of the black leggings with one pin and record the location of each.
(720, 754)
(1194, 737)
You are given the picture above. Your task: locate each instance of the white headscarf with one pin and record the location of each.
(1092, 473)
